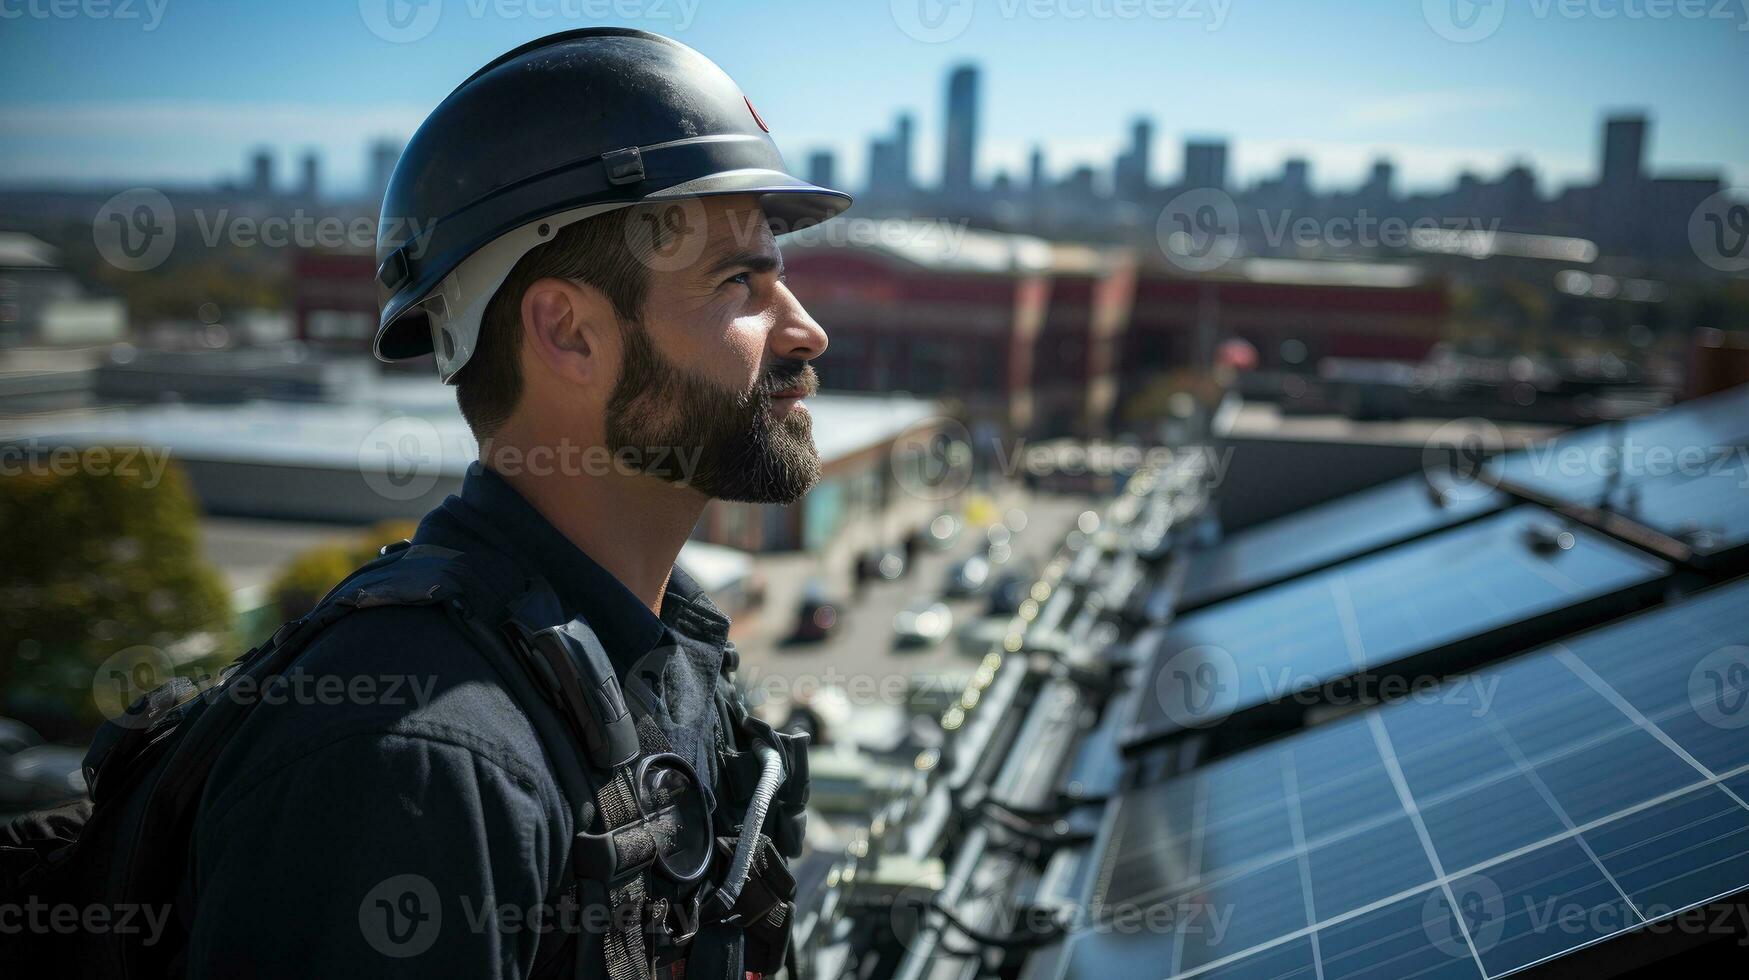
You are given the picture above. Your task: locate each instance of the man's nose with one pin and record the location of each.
(795, 335)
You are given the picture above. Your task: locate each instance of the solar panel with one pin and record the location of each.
(1574, 794)
(1323, 535)
(1581, 465)
(1404, 611)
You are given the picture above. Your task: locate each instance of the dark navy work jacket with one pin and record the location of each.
(395, 813)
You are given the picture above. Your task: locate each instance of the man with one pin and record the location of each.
(584, 234)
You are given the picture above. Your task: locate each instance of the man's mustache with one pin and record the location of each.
(785, 376)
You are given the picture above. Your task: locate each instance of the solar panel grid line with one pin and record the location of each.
(1529, 771)
(1350, 625)
(1482, 867)
(1296, 823)
(1389, 753)
(1589, 676)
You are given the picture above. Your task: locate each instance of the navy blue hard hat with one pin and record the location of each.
(560, 129)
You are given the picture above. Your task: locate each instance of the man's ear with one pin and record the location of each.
(563, 329)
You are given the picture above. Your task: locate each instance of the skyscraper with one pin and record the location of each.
(821, 169)
(1131, 172)
(1618, 217)
(383, 155)
(261, 171)
(1035, 170)
(960, 146)
(310, 167)
(1624, 148)
(1379, 184)
(1205, 165)
(889, 162)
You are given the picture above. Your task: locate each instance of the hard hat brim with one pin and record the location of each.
(789, 204)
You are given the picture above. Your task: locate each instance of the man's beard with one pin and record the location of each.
(689, 430)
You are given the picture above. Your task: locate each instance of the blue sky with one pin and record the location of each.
(180, 90)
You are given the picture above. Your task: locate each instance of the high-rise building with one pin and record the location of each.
(889, 162)
(1132, 168)
(902, 153)
(1035, 170)
(1624, 149)
(1379, 183)
(960, 147)
(1296, 176)
(1205, 165)
(310, 167)
(822, 167)
(261, 171)
(1619, 221)
(383, 155)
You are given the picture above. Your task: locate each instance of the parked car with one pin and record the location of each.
(968, 577)
(817, 616)
(883, 563)
(923, 623)
(1010, 589)
(978, 637)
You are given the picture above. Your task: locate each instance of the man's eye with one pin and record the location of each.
(743, 278)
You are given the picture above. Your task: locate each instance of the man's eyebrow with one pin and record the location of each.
(750, 259)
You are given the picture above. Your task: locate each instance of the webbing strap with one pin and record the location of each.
(624, 949)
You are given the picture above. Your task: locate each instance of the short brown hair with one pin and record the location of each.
(593, 251)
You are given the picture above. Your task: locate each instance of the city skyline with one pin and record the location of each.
(1337, 88)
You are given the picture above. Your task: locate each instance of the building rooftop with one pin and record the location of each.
(385, 420)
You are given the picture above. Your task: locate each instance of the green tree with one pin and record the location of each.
(102, 557)
(308, 577)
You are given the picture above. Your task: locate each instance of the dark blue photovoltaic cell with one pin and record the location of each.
(1109, 953)
(1538, 905)
(1413, 939)
(1367, 866)
(1373, 611)
(1679, 852)
(1258, 906)
(1325, 534)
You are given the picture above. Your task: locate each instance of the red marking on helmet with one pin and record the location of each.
(756, 117)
